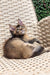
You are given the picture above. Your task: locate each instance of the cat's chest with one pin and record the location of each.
(16, 41)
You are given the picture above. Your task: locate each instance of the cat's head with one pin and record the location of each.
(20, 29)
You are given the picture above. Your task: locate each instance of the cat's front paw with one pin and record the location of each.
(34, 40)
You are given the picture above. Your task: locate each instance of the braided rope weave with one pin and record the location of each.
(33, 66)
(10, 11)
(44, 31)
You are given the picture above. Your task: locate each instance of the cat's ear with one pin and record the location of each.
(11, 27)
(20, 22)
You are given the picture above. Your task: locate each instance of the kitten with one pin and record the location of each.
(20, 45)
(20, 32)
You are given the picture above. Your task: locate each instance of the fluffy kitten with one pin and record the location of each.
(20, 45)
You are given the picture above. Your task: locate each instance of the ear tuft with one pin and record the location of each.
(20, 22)
(12, 28)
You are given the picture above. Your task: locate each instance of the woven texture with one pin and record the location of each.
(10, 11)
(39, 65)
(44, 31)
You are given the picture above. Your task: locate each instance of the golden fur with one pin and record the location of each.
(20, 45)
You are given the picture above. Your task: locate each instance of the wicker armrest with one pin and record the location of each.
(44, 31)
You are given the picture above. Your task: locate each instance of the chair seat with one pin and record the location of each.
(37, 65)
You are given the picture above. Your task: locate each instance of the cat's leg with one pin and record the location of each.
(27, 50)
(34, 40)
(40, 50)
(31, 51)
(31, 40)
(37, 50)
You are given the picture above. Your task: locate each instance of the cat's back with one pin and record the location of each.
(12, 42)
(12, 48)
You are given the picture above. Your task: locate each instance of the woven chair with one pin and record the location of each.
(10, 11)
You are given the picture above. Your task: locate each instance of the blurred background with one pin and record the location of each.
(42, 8)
